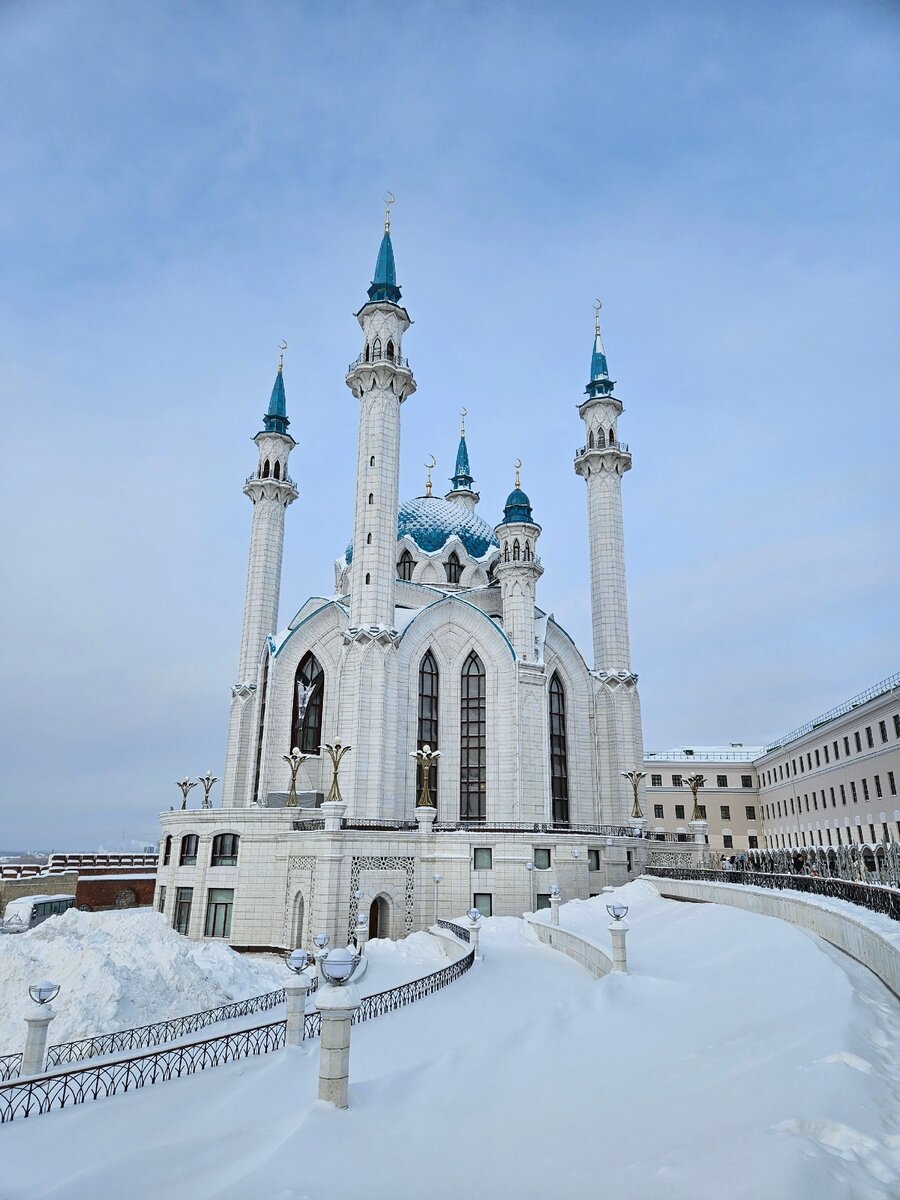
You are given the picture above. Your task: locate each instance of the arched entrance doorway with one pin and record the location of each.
(379, 918)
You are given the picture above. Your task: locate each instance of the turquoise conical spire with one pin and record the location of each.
(462, 480)
(384, 285)
(600, 381)
(276, 419)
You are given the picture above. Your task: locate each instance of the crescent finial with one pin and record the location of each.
(388, 201)
(462, 423)
(282, 346)
(518, 466)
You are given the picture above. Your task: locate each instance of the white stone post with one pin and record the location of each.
(554, 908)
(333, 811)
(426, 816)
(474, 936)
(362, 936)
(617, 932)
(337, 1006)
(36, 1040)
(295, 993)
(698, 829)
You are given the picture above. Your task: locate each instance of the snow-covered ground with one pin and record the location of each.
(740, 1058)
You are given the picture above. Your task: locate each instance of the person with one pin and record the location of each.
(742, 861)
(729, 863)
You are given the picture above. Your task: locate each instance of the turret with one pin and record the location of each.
(381, 380)
(462, 491)
(517, 570)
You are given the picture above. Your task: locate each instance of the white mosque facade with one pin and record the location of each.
(432, 640)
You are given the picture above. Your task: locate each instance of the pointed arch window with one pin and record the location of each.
(265, 470)
(527, 554)
(167, 850)
(559, 766)
(473, 740)
(506, 551)
(405, 566)
(277, 472)
(390, 351)
(427, 734)
(453, 567)
(307, 735)
(591, 439)
(517, 550)
(367, 352)
(601, 438)
(612, 437)
(376, 350)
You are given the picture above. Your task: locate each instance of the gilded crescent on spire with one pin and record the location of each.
(462, 424)
(389, 200)
(429, 467)
(282, 346)
(518, 466)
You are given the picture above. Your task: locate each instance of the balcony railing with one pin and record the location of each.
(395, 360)
(623, 446)
(285, 479)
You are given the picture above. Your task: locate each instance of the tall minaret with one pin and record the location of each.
(270, 490)
(517, 570)
(381, 380)
(602, 463)
(462, 491)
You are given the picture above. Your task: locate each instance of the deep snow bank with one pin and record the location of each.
(117, 970)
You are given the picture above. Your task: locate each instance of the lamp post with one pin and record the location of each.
(207, 780)
(38, 1023)
(637, 817)
(529, 867)
(555, 898)
(335, 751)
(362, 933)
(618, 928)
(698, 823)
(474, 915)
(186, 784)
(320, 941)
(436, 879)
(294, 760)
(426, 809)
(295, 993)
(337, 1001)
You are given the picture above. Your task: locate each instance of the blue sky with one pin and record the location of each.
(183, 185)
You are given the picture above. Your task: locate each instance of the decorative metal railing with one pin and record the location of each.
(312, 823)
(623, 446)
(378, 357)
(58, 1090)
(461, 932)
(534, 827)
(10, 1065)
(161, 1031)
(872, 896)
(353, 823)
(860, 863)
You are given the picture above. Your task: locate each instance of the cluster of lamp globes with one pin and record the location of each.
(337, 966)
(187, 784)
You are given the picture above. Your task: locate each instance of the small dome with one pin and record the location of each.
(518, 507)
(430, 522)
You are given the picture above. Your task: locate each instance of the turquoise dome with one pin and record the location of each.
(430, 522)
(518, 507)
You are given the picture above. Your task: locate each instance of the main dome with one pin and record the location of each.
(430, 522)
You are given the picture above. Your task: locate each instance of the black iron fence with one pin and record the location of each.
(63, 1088)
(872, 896)
(461, 932)
(10, 1065)
(534, 827)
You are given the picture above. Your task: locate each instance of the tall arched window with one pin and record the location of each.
(405, 566)
(612, 437)
(308, 736)
(453, 567)
(517, 550)
(390, 351)
(167, 850)
(506, 551)
(591, 439)
(427, 734)
(473, 740)
(527, 555)
(559, 773)
(601, 438)
(376, 349)
(265, 470)
(277, 472)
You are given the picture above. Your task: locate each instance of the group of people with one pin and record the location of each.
(735, 862)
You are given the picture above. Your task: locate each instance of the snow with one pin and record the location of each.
(740, 1057)
(117, 970)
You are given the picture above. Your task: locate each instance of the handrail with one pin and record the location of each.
(461, 932)
(623, 446)
(534, 827)
(10, 1065)
(380, 356)
(874, 897)
(42, 1093)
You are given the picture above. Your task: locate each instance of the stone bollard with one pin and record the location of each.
(362, 936)
(617, 932)
(474, 936)
(36, 1040)
(698, 829)
(554, 908)
(295, 993)
(337, 1006)
(333, 811)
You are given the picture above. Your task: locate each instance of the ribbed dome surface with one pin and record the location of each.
(431, 522)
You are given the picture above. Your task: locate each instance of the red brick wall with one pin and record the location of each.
(103, 893)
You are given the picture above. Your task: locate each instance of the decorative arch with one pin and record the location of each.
(265, 470)
(559, 758)
(601, 439)
(405, 566)
(376, 349)
(517, 550)
(427, 731)
(298, 913)
(380, 916)
(390, 351)
(473, 740)
(590, 439)
(453, 567)
(307, 736)
(276, 474)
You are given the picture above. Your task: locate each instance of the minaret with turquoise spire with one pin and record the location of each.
(381, 380)
(517, 570)
(602, 462)
(462, 491)
(270, 490)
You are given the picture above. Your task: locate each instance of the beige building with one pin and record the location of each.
(834, 781)
(729, 799)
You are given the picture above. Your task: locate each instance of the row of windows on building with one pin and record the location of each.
(541, 856)
(219, 907)
(659, 812)
(793, 806)
(223, 851)
(452, 567)
(721, 781)
(306, 730)
(802, 837)
(827, 753)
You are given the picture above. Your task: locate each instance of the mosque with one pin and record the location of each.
(425, 737)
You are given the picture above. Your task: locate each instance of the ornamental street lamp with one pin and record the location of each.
(436, 880)
(295, 994)
(618, 928)
(362, 933)
(337, 1001)
(335, 752)
(426, 758)
(38, 1023)
(695, 783)
(474, 915)
(555, 897)
(294, 760)
(529, 867)
(186, 785)
(207, 780)
(634, 778)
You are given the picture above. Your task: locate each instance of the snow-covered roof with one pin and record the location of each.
(430, 522)
(735, 752)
